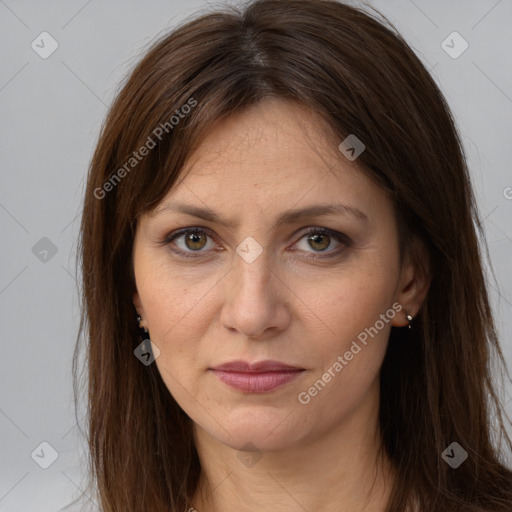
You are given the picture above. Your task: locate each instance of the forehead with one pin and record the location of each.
(275, 155)
(274, 130)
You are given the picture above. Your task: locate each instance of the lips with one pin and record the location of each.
(256, 367)
(257, 377)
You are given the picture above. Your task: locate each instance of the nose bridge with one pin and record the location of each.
(252, 268)
(251, 304)
(252, 259)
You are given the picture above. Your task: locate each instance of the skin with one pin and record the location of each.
(202, 312)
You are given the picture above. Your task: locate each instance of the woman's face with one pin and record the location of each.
(252, 285)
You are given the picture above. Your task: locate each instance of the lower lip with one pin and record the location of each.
(257, 382)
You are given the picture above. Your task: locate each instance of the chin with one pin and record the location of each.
(267, 428)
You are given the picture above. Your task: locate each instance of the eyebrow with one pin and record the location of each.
(288, 217)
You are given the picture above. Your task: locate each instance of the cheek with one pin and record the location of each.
(349, 300)
(172, 299)
(178, 307)
(165, 307)
(356, 313)
(347, 363)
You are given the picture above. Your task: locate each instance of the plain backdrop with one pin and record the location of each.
(51, 112)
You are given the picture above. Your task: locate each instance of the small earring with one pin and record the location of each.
(409, 317)
(140, 326)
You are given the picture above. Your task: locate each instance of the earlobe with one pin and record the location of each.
(403, 320)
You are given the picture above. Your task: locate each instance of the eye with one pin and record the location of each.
(189, 242)
(320, 239)
(193, 240)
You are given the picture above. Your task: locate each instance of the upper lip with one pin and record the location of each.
(256, 367)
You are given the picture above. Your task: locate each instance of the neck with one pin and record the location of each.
(339, 470)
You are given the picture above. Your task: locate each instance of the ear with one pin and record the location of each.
(138, 304)
(415, 279)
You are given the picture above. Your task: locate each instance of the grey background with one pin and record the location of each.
(51, 112)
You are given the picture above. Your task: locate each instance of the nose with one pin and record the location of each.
(256, 299)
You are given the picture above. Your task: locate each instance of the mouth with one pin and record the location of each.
(258, 377)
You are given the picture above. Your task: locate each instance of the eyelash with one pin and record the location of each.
(339, 237)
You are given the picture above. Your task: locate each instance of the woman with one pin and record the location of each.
(283, 291)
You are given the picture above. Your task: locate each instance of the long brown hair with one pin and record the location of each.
(362, 78)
